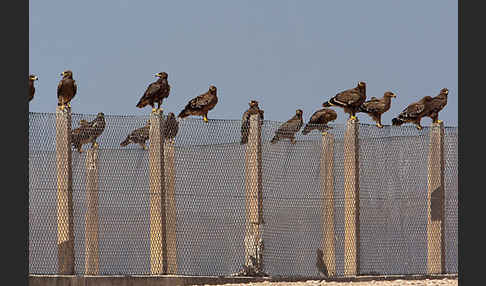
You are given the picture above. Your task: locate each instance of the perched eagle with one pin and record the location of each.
(245, 121)
(289, 128)
(437, 104)
(200, 105)
(414, 113)
(320, 265)
(32, 78)
(66, 89)
(155, 92)
(319, 120)
(350, 100)
(171, 127)
(138, 136)
(88, 132)
(375, 107)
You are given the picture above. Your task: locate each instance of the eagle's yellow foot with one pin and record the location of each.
(324, 133)
(69, 105)
(419, 127)
(379, 125)
(439, 121)
(95, 145)
(205, 119)
(154, 109)
(353, 117)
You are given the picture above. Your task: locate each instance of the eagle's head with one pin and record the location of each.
(67, 74)
(162, 75)
(361, 84)
(389, 94)
(33, 77)
(299, 112)
(444, 91)
(171, 115)
(100, 115)
(253, 103)
(212, 89)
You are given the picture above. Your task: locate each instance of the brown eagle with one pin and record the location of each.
(32, 78)
(289, 128)
(66, 89)
(155, 92)
(200, 105)
(171, 127)
(319, 120)
(88, 132)
(375, 107)
(245, 121)
(350, 100)
(138, 136)
(414, 113)
(437, 104)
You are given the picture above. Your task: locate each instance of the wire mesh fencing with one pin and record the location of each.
(205, 220)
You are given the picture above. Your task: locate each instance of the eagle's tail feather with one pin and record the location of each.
(183, 114)
(125, 142)
(397, 121)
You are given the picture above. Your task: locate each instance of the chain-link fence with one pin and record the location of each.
(209, 194)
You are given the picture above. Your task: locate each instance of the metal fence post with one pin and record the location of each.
(158, 246)
(170, 207)
(91, 227)
(436, 202)
(351, 199)
(327, 185)
(65, 233)
(254, 199)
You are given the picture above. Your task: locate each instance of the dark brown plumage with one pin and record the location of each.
(171, 127)
(138, 136)
(319, 120)
(375, 107)
(245, 120)
(88, 132)
(66, 90)
(414, 113)
(32, 78)
(200, 105)
(289, 128)
(320, 265)
(155, 92)
(437, 104)
(350, 100)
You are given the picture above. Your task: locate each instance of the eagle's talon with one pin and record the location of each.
(379, 125)
(205, 119)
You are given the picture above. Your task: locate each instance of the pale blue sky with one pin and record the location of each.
(285, 54)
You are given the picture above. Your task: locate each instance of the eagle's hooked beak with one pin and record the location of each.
(62, 74)
(157, 75)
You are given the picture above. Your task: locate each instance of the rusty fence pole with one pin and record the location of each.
(65, 232)
(436, 202)
(171, 216)
(91, 265)
(254, 199)
(158, 245)
(327, 185)
(351, 199)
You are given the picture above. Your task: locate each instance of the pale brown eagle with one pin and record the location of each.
(375, 107)
(138, 136)
(155, 92)
(319, 120)
(245, 120)
(66, 90)
(289, 128)
(88, 132)
(200, 105)
(414, 113)
(350, 100)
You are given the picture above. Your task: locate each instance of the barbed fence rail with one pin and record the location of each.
(357, 200)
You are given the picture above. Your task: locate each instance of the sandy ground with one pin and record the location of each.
(425, 282)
